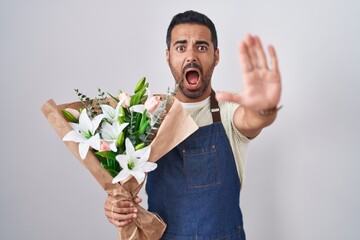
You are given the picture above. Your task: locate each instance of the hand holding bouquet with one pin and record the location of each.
(119, 138)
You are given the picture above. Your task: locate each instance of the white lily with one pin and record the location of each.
(134, 163)
(84, 133)
(110, 113)
(110, 133)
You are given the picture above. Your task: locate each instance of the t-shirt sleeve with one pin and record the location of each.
(239, 143)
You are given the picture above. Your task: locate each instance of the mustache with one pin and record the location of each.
(192, 65)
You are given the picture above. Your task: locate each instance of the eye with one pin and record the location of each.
(180, 48)
(202, 48)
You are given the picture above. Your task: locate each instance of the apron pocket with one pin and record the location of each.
(201, 167)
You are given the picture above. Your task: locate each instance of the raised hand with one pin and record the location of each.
(261, 83)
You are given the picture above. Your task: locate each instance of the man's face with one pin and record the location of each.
(192, 58)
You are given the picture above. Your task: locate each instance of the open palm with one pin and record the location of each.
(261, 84)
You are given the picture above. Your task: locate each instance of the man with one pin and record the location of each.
(196, 187)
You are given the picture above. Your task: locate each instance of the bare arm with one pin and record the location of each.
(261, 88)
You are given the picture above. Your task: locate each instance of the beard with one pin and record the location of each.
(205, 79)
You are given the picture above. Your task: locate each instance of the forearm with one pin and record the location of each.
(250, 123)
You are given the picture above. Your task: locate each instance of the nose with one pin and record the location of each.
(191, 57)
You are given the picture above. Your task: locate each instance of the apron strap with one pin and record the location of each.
(214, 107)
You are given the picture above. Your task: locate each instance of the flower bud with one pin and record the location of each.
(124, 99)
(104, 146)
(152, 103)
(73, 112)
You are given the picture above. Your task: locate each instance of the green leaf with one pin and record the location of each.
(111, 171)
(113, 97)
(100, 158)
(142, 128)
(135, 99)
(107, 154)
(137, 121)
(143, 118)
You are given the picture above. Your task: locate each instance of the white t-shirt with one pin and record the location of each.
(200, 113)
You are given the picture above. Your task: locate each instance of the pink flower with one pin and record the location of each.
(104, 146)
(73, 112)
(124, 99)
(151, 103)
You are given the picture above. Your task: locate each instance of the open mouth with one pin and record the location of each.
(192, 77)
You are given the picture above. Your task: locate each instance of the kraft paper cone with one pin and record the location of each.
(176, 127)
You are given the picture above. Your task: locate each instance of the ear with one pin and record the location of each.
(167, 55)
(217, 56)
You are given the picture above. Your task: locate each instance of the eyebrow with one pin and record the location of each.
(199, 42)
(202, 42)
(179, 42)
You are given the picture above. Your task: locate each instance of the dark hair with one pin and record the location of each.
(192, 17)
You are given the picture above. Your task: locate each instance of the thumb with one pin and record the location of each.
(137, 200)
(228, 97)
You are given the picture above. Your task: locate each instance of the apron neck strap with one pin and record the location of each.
(214, 107)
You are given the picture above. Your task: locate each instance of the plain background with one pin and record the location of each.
(302, 173)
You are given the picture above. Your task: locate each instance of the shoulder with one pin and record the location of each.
(227, 110)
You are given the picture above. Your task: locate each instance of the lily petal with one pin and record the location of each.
(121, 127)
(108, 111)
(84, 121)
(83, 149)
(107, 132)
(75, 126)
(140, 176)
(143, 153)
(123, 174)
(129, 147)
(94, 142)
(123, 161)
(96, 122)
(138, 108)
(149, 166)
(74, 136)
(113, 146)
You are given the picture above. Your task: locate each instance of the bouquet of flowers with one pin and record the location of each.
(119, 139)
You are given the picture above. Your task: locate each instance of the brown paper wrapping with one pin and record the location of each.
(176, 127)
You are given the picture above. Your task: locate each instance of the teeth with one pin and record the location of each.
(192, 77)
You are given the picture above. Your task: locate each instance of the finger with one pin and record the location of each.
(273, 58)
(260, 53)
(115, 209)
(228, 97)
(245, 58)
(250, 43)
(125, 207)
(137, 200)
(123, 204)
(120, 217)
(119, 223)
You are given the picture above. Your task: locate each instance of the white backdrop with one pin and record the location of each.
(302, 178)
